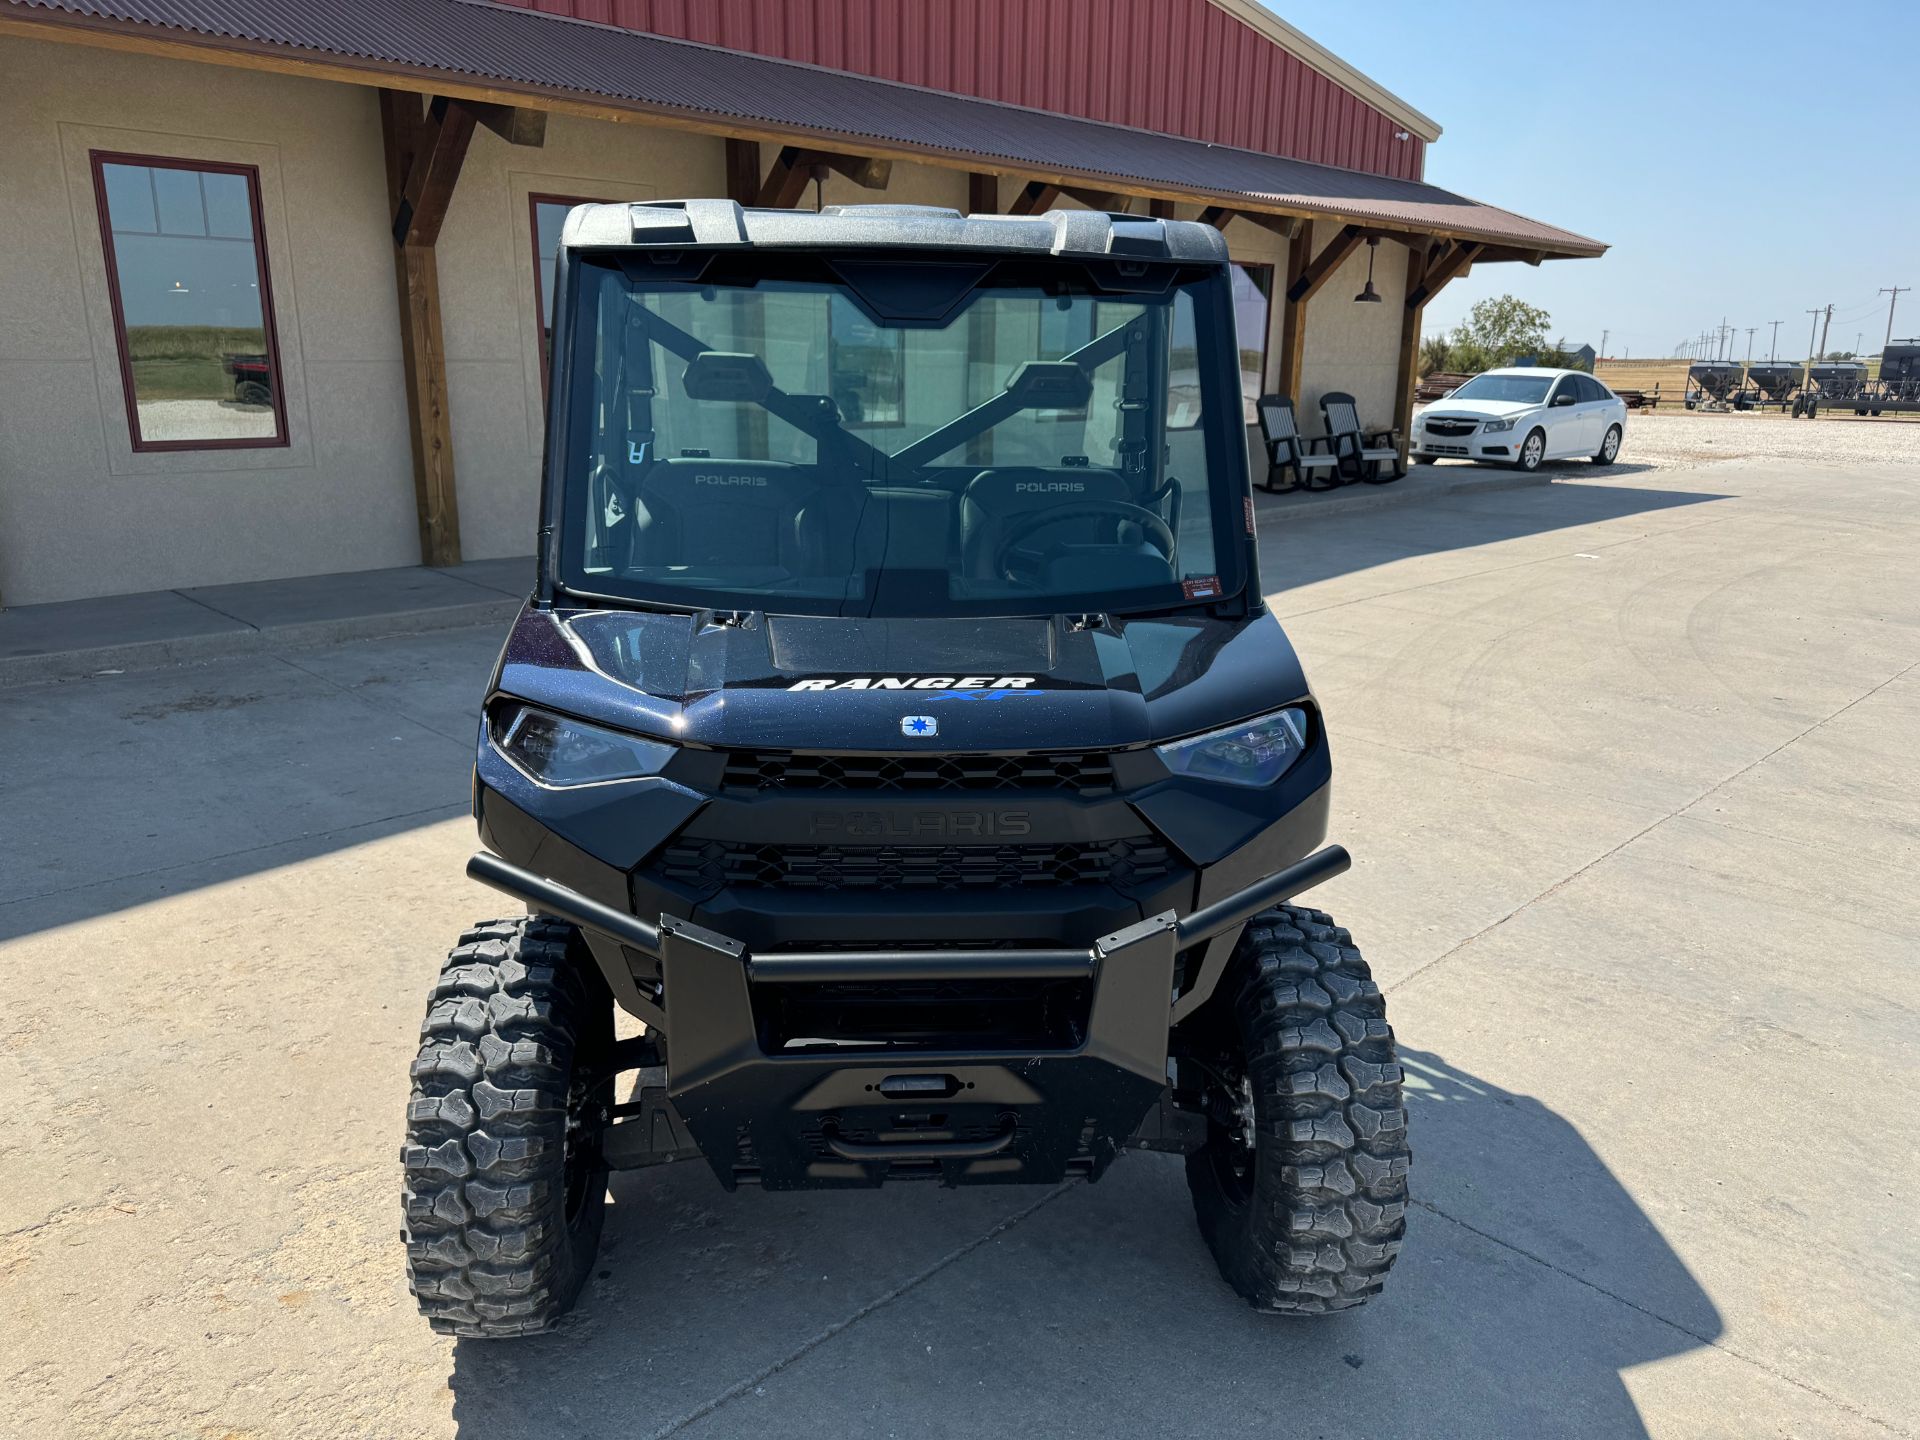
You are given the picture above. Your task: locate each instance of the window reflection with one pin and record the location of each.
(187, 279)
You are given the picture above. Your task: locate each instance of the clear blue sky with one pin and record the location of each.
(1749, 160)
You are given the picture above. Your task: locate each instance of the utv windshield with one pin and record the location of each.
(901, 436)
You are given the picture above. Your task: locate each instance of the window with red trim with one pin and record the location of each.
(192, 308)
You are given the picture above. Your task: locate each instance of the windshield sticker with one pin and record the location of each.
(1204, 587)
(968, 684)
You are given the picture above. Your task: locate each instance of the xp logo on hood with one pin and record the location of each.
(921, 682)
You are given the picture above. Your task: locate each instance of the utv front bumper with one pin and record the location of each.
(1026, 1065)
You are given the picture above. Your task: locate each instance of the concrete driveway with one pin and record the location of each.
(1628, 767)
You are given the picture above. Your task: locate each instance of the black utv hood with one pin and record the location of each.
(810, 682)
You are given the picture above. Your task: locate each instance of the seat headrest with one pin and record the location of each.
(1024, 487)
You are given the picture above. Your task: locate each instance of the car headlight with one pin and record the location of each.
(1495, 427)
(1254, 752)
(554, 750)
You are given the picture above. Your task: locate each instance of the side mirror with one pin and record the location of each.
(1565, 397)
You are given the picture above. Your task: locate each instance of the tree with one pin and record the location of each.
(1499, 332)
(1435, 354)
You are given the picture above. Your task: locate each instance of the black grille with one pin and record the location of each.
(1452, 427)
(712, 865)
(1084, 773)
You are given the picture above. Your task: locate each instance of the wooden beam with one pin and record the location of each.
(1110, 201)
(1036, 197)
(1160, 209)
(743, 171)
(440, 143)
(983, 193)
(1285, 226)
(787, 178)
(1217, 216)
(1453, 262)
(1320, 269)
(515, 124)
(409, 140)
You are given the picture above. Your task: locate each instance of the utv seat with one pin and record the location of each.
(1002, 502)
(766, 516)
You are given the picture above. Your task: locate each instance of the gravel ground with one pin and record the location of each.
(204, 420)
(1681, 441)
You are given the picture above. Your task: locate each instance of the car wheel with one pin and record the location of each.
(1533, 450)
(1609, 447)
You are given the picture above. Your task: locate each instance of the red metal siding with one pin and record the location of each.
(1183, 67)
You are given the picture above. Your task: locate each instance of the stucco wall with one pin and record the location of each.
(81, 513)
(1352, 347)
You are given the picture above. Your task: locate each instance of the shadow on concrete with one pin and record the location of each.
(1298, 548)
(1530, 1281)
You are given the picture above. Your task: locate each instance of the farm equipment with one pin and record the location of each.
(1711, 384)
(252, 377)
(1772, 383)
(1834, 384)
(1438, 385)
(1898, 386)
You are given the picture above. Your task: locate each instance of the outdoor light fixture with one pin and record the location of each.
(1370, 295)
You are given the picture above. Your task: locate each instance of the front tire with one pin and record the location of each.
(1609, 447)
(505, 1185)
(1533, 450)
(1301, 1187)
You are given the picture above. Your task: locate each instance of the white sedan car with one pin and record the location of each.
(1521, 417)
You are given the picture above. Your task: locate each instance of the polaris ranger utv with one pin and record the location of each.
(922, 770)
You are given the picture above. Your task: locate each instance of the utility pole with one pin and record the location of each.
(1824, 326)
(1813, 354)
(1773, 345)
(1750, 330)
(1896, 291)
(1605, 333)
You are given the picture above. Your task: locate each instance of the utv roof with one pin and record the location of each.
(724, 223)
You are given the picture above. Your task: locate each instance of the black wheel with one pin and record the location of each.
(252, 392)
(1609, 447)
(1301, 1188)
(1533, 450)
(505, 1185)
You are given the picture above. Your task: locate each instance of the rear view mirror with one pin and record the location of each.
(1050, 385)
(727, 375)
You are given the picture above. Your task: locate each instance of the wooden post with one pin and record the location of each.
(1429, 270)
(1305, 276)
(983, 193)
(409, 147)
(743, 171)
(424, 153)
(1404, 375)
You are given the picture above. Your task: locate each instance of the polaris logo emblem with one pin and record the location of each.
(919, 726)
(755, 480)
(919, 682)
(1050, 487)
(920, 824)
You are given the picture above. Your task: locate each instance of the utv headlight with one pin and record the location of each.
(557, 751)
(1254, 752)
(1495, 427)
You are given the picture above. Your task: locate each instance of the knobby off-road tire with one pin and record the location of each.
(505, 1190)
(1308, 1219)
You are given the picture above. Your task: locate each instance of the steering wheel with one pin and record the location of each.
(1158, 533)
